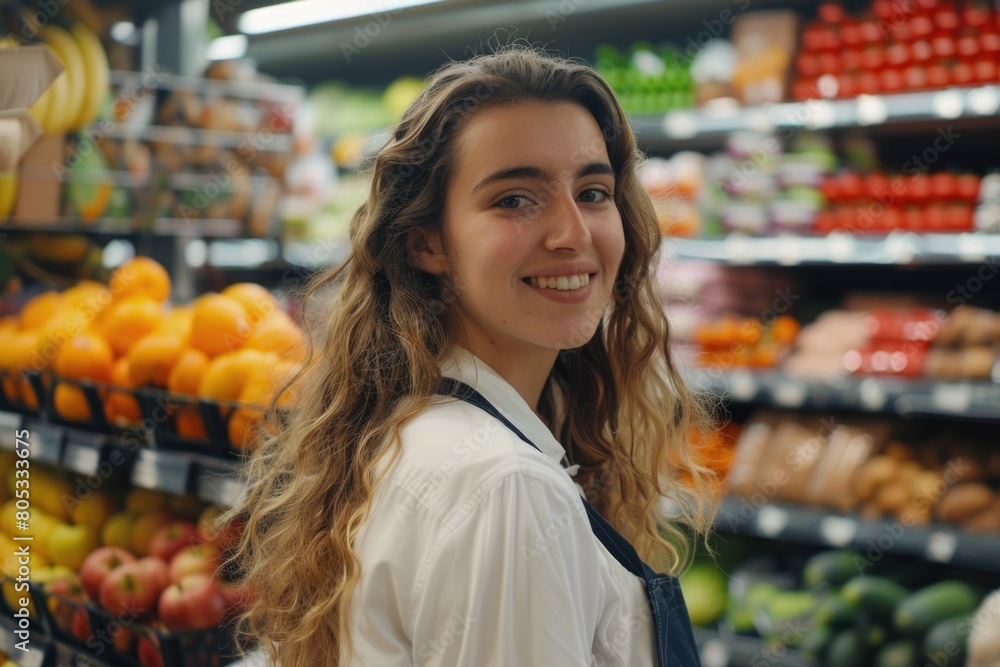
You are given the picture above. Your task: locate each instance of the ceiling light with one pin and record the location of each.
(290, 15)
(228, 47)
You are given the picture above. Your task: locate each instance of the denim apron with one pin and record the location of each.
(675, 645)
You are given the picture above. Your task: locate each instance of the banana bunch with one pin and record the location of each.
(76, 96)
(8, 194)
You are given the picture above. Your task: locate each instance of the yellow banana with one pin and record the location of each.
(95, 62)
(56, 115)
(8, 193)
(40, 109)
(69, 55)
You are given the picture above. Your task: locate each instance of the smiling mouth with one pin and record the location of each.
(562, 283)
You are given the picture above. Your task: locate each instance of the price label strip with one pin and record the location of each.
(162, 471)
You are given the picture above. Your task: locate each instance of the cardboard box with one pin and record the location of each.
(28, 72)
(39, 190)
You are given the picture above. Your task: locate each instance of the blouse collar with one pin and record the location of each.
(473, 371)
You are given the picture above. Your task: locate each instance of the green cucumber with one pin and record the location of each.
(939, 602)
(945, 643)
(900, 653)
(815, 641)
(835, 612)
(830, 568)
(875, 595)
(847, 649)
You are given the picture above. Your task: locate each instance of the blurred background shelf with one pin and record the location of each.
(719, 649)
(872, 538)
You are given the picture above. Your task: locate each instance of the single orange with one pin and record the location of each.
(39, 309)
(121, 406)
(178, 321)
(140, 276)
(152, 358)
(279, 334)
(129, 320)
(86, 356)
(258, 302)
(9, 323)
(219, 324)
(88, 295)
(188, 423)
(71, 403)
(243, 428)
(228, 374)
(185, 376)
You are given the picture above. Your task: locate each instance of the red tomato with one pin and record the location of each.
(830, 12)
(877, 187)
(883, 9)
(897, 55)
(891, 80)
(871, 33)
(850, 32)
(804, 89)
(830, 188)
(935, 218)
(945, 18)
(943, 186)
(967, 187)
(938, 76)
(812, 37)
(873, 58)
(807, 64)
(913, 219)
(847, 85)
(892, 218)
(961, 73)
(967, 44)
(830, 38)
(825, 222)
(959, 217)
(921, 26)
(868, 83)
(851, 59)
(829, 63)
(984, 70)
(918, 188)
(943, 45)
(921, 52)
(851, 185)
(915, 77)
(976, 14)
(989, 40)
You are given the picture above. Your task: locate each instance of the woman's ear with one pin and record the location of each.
(426, 251)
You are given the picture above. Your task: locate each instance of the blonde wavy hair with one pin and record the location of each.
(382, 329)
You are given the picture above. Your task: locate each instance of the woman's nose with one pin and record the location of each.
(567, 229)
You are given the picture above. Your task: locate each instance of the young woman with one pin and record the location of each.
(492, 348)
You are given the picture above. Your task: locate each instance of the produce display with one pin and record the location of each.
(897, 45)
(111, 554)
(731, 342)
(839, 608)
(874, 467)
(647, 79)
(758, 187)
(103, 344)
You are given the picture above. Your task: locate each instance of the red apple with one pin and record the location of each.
(98, 565)
(194, 559)
(66, 596)
(149, 655)
(171, 538)
(133, 588)
(81, 625)
(194, 602)
(124, 638)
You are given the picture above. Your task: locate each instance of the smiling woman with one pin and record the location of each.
(489, 416)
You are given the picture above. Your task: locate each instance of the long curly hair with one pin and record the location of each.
(381, 329)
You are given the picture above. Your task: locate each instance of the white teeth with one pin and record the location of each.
(563, 283)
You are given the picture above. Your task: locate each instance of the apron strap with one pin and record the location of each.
(612, 540)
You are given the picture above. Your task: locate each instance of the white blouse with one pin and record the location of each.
(478, 552)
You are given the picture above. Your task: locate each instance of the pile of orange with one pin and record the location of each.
(237, 345)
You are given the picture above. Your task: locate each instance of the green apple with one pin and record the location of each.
(69, 545)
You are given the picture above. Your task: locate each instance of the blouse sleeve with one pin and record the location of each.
(518, 582)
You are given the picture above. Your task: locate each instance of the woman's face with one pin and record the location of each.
(531, 236)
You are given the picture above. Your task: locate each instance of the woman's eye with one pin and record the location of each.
(593, 196)
(512, 202)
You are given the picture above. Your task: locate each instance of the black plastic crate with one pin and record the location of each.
(163, 410)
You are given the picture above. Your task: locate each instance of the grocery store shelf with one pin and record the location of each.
(159, 79)
(952, 104)
(873, 538)
(719, 649)
(265, 142)
(905, 397)
(119, 227)
(897, 248)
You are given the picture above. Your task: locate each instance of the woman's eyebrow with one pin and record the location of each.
(514, 173)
